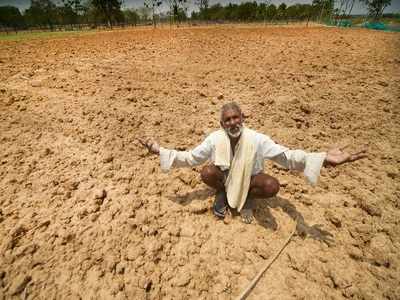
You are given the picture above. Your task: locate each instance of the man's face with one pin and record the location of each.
(232, 122)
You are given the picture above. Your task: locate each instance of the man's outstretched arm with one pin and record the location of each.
(177, 159)
(309, 163)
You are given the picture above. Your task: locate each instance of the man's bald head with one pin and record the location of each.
(230, 106)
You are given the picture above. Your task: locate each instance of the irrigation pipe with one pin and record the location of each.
(253, 283)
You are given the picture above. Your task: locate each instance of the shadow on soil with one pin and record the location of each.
(266, 219)
(196, 195)
(263, 214)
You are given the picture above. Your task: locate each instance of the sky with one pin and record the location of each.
(358, 7)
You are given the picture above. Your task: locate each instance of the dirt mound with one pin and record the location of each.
(85, 212)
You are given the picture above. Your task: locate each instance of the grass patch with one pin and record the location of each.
(27, 35)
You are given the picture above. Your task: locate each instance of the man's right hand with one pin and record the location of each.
(151, 145)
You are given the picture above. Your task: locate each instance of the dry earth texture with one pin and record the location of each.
(86, 213)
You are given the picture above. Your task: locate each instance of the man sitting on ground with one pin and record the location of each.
(237, 156)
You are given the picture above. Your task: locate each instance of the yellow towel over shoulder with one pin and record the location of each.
(240, 165)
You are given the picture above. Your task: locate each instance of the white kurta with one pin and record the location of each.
(299, 160)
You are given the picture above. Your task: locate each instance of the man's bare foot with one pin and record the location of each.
(247, 211)
(247, 215)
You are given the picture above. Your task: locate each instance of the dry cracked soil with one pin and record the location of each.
(86, 213)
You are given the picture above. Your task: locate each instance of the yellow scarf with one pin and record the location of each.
(240, 166)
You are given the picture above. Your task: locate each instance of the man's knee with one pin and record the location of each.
(265, 185)
(270, 186)
(209, 174)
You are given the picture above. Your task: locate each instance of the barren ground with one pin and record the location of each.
(86, 213)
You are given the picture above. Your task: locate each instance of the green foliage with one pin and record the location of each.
(323, 8)
(41, 13)
(281, 12)
(109, 10)
(177, 11)
(203, 10)
(144, 13)
(180, 14)
(70, 12)
(10, 17)
(131, 16)
(271, 12)
(46, 14)
(74, 5)
(300, 11)
(41, 35)
(253, 11)
(376, 7)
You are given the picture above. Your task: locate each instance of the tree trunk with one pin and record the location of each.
(322, 10)
(154, 20)
(351, 7)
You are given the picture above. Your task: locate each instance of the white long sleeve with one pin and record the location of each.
(178, 159)
(266, 148)
(299, 160)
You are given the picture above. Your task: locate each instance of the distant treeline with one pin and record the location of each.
(45, 14)
(253, 11)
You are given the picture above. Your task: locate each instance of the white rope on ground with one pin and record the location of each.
(252, 284)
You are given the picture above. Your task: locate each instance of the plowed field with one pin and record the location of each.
(86, 213)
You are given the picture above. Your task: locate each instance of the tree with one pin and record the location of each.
(231, 12)
(344, 9)
(323, 9)
(376, 7)
(180, 14)
(75, 5)
(216, 12)
(271, 12)
(10, 17)
(144, 13)
(131, 16)
(91, 15)
(261, 11)
(282, 11)
(177, 10)
(247, 11)
(71, 11)
(109, 9)
(180, 10)
(41, 13)
(293, 11)
(152, 5)
(203, 8)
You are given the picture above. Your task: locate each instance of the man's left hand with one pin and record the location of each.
(337, 156)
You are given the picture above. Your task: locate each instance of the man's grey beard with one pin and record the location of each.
(236, 134)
